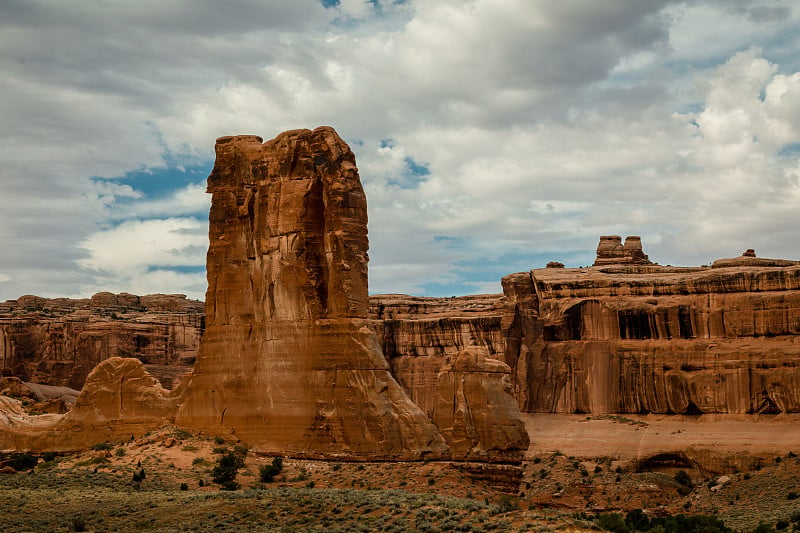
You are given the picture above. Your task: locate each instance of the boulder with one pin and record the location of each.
(475, 409)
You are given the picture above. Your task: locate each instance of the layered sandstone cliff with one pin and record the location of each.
(59, 341)
(630, 338)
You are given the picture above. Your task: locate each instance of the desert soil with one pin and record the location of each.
(577, 467)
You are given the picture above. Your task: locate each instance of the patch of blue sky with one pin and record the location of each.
(413, 174)
(161, 181)
(790, 150)
(474, 273)
(182, 269)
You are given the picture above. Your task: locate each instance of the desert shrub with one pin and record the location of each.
(219, 440)
(119, 452)
(336, 467)
(792, 495)
(181, 434)
(683, 478)
(139, 476)
(102, 446)
(780, 525)
(638, 520)
(268, 472)
(220, 449)
(49, 456)
(506, 504)
(78, 523)
(240, 451)
(612, 522)
(230, 485)
(227, 467)
(199, 461)
(23, 461)
(184, 486)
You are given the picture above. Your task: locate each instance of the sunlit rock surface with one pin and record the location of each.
(288, 361)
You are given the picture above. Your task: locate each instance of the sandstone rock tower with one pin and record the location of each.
(611, 251)
(288, 362)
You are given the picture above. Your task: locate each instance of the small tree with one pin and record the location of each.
(268, 472)
(225, 472)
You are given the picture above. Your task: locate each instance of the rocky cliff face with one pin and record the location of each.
(650, 339)
(59, 341)
(288, 362)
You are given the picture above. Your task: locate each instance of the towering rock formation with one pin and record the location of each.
(638, 338)
(288, 361)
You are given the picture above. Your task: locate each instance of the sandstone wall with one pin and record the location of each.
(59, 341)
(641, 339)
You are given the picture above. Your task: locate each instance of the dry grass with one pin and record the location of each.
(558, 493)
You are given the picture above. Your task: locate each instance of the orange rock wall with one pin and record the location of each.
(59, 341)
(642, 339)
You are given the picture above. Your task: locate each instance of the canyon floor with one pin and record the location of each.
(577, 467)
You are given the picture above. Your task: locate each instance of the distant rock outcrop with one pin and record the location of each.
(120, 399)
(611, 251)
(59, 341)
(639, 338)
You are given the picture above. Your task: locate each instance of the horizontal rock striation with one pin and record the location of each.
(412, 326)
(652, 339)
(59, 341)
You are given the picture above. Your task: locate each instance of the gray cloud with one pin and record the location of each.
(542, 125)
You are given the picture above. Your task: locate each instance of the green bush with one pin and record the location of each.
(23, 461)
(102, 446)
(612, 522)
(139, 476)
(226, 470)
(229, 485)
(268, 472)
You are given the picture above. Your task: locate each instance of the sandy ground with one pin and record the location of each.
(630, 437)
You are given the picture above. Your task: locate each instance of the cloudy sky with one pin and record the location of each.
(492, 136)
